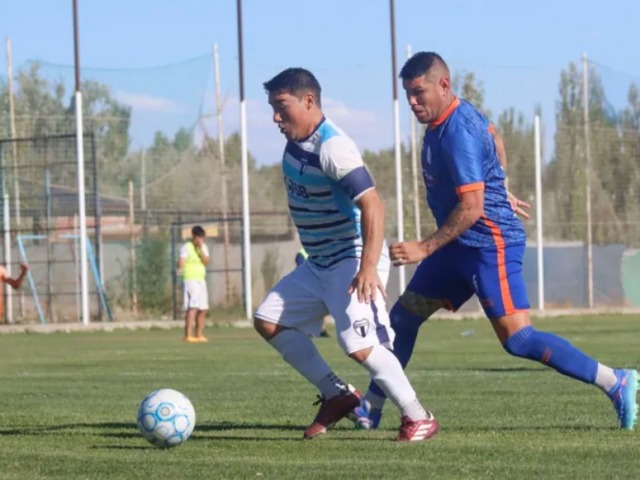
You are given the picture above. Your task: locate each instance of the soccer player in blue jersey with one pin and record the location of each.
(340, 220)
(477, 247)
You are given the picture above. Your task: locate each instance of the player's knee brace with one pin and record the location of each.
(525, 343)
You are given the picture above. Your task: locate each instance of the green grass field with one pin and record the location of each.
(69, 404)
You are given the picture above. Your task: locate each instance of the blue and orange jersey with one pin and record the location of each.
(459, 155)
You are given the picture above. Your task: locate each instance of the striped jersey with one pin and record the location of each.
(324, 176)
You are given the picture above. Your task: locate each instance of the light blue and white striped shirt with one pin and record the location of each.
(324, 176)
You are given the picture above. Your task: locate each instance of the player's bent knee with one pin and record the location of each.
(414, 308)
(267, 330)
(361, 355)
(419, 304)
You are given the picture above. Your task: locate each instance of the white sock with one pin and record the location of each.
(605, 378)
(387, 372)
(299, 351)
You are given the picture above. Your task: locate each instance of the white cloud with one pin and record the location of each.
(370, 129)
(148, 103)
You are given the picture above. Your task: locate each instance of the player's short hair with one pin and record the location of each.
(197, 231)
(420, 64)
(295, 81)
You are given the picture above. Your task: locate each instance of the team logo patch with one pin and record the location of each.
(362, 327)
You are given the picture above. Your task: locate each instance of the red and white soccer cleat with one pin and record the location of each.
(332, 410)
(415, 431)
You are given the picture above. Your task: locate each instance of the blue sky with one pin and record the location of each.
(516, 49)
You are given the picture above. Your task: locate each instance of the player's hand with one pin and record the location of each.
(403, 253)
(24, 267)
(518, 206)
(367, 283)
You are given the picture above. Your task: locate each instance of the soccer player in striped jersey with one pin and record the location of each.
(477, 248)
(340, 220)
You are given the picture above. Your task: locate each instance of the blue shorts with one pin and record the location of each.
(455, 272)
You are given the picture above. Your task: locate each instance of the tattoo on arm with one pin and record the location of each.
(460, 219)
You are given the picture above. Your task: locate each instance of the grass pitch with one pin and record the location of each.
(69, 404)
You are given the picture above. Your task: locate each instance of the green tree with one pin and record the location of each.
(468, 87)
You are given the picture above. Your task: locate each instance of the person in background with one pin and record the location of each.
(15, 283)
(192, 266)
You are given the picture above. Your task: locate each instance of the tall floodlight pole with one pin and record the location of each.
(396, 130)
(587, 151)
(246, 227)
(414, 167)
(223, 174)
(82, 214)
(539, 232)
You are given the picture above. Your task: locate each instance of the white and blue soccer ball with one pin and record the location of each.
(166, 418)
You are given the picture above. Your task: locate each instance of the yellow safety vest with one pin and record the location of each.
(193, 268)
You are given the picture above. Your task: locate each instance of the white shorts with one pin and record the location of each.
(302, 298)
(196, 295)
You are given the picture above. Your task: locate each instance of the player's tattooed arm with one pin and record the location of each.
(464, 215)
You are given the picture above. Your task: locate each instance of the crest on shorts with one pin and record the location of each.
(362, 327)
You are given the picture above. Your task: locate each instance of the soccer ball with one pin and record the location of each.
(166, 418)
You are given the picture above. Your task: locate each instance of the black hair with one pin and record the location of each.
(421, 63)
(197, 231)
(294, 81)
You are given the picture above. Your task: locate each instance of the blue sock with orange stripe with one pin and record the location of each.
(406, 325)
(553, 351)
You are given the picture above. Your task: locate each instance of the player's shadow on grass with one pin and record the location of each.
(123, 447)
(533, 369)
(222, 426)
(70, 427)
(524, 428)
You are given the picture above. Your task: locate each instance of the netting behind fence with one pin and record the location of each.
(160, 163)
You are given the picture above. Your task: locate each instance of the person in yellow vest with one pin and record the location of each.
(301, 257)
(192, 265)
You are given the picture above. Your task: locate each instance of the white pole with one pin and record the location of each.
(587, 150)
(399, 200)
(76, 258)
(223, 174)
(246, 238)
(539, 244)
(7, 254)
(82, 213)
(143, 182)
(398, 153)
(246, 226)
(414, 167)
(12, 125)
(132, 253)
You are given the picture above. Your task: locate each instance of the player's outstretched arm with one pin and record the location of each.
(367, 281)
